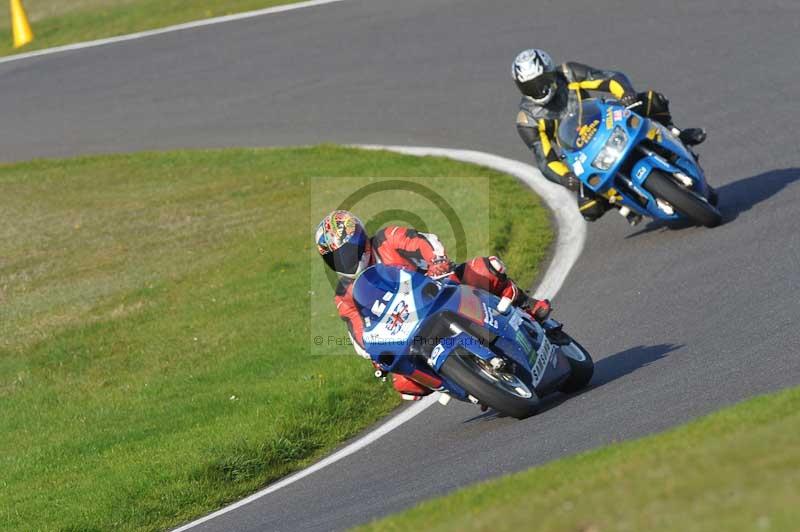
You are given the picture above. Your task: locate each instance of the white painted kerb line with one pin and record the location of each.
(386, 428)
(569, 244)
(168, 29)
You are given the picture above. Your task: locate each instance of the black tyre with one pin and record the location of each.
(698, 211)
(713, 197)
(493, 388)
(581, 364)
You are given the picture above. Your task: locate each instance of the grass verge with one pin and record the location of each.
(154, 326)
(737, 469)
(59, 22)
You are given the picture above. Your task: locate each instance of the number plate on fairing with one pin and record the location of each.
(543, 356)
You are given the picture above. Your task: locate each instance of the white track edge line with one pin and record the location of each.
(570, 238)
(384, 429)
(167, 29)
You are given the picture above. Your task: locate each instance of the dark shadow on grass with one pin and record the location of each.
(606, 370)
(737, 197)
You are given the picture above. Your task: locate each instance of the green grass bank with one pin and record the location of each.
(59, 22)
(155, 316)
(734, 470)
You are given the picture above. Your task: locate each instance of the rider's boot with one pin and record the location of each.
(691, 136)
(657, 108)
(590, 205)
(408, 389)
(539, 309)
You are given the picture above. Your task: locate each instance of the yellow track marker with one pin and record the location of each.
(20, 25)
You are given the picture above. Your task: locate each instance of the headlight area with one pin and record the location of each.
(612, 150)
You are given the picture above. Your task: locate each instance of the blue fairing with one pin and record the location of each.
(413, 323)
(584, 135)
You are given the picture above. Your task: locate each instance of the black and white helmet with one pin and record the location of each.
(535, 75)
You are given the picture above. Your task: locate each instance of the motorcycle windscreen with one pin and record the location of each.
(580, 125)
(374, 289)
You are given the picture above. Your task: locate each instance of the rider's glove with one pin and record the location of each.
(439, 266)
(540, 309)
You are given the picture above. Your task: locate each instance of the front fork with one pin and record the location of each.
(615, 199)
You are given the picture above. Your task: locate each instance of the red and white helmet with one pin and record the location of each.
(534, 72)
(343, 242)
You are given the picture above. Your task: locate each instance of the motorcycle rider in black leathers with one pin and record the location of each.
(550, 92)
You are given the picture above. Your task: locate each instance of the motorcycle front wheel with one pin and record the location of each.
(501, 389)
(581, 366)
(684, 201)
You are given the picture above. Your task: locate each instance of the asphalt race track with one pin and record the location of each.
(681, 322)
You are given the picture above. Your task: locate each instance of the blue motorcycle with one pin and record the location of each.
(464, 342)
(636, 163)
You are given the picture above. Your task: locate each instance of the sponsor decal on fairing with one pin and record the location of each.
(488, 317)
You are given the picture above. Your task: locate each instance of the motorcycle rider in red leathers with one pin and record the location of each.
(344, 245)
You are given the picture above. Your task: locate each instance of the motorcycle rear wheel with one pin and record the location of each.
(684, 201)
(493, 388)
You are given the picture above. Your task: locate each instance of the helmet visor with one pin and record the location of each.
(539, 86)
(346, 258)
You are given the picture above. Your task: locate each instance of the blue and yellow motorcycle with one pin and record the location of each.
(636, 163)
(464, 342)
